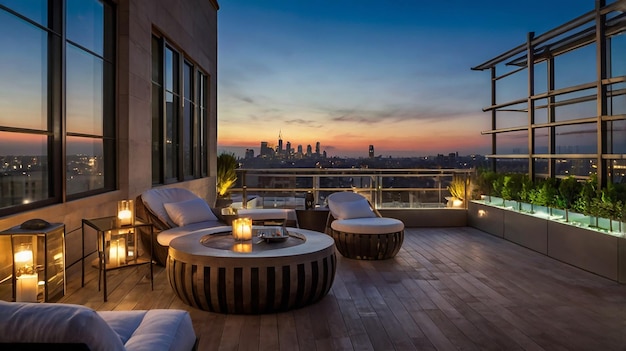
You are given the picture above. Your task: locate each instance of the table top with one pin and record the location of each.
(110, 223)
(219, 243)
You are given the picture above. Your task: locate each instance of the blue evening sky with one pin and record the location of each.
(348, 73)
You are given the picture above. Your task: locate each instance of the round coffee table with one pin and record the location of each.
(206, 271)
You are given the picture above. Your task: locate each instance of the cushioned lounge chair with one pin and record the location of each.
(173, 212)
(360, 232)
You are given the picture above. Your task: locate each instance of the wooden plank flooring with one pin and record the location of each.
(447, 289)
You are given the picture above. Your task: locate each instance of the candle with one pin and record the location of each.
(117, 252)
(125, 214)
(124, 217)
(24, 258)
(26, 288)
(242, 229)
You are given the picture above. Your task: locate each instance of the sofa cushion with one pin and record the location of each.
(154, 199)
(376, 225)
(359, 208)
(190, 211)
(152, 330)
(56, 323)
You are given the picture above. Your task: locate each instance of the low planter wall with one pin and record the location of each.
(592, 250)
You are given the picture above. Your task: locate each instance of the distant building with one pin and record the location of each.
(317, 148)
(249, 153)
(371, 151)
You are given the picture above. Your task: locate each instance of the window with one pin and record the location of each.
(179, 116)
(36, 107)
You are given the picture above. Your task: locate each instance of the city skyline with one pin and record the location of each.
(349, 74)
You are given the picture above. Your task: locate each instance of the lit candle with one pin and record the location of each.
(125, 212)
(242, 229)
(117, 252)
(26, 288)
(24, 258)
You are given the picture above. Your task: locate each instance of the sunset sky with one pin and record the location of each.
(350, 73)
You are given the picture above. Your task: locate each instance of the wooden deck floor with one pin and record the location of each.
(448, 289)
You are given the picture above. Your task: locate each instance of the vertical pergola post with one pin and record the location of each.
(493, 118)
(601, 103)
(530, 58)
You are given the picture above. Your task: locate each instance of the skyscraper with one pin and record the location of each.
(371, 151)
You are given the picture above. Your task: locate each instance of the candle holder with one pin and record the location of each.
(35, 260)
(125, 213)
(242, 229)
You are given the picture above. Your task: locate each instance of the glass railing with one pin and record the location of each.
(303, 188)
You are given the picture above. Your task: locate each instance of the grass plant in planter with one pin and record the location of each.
(226, 178)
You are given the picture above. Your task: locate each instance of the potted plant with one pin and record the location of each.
(225, 179)
(459, 188)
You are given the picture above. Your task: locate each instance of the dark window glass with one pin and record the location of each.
(85, 164)
(188, 110)
(157, 111)
(171, 136)
(35, 10)
(202, 123)
(35, 95)
(179, 130)
(505, 165)
(617, 171)
(85, 24)
(84, 92)
(541, 168)
(616, 101)
(23, 160)
(24, 72)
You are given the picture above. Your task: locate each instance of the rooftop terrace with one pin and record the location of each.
(447, 289)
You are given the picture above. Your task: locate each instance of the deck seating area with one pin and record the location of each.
(446, 289)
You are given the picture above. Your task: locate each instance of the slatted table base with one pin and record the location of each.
(253, 285)
(367, 246)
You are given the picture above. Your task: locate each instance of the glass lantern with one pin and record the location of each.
(37, 262)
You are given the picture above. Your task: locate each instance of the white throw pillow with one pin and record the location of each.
(352, 209)
(190, 211)
(56, 323)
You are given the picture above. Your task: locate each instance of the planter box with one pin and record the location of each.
(589, 249)
(526, 230)
(487, 218)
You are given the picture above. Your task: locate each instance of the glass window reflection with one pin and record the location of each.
(23, 168)
(85, 24)
(85, 165)
(35, 10)
(24, 84)
(84, 92)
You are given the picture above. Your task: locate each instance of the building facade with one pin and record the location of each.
(101, 100)
(558, 101)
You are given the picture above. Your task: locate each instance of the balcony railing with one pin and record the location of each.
(385, 188)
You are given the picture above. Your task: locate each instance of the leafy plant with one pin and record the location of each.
(569, 190)
(226, 173)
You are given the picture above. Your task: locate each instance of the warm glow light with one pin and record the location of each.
(117, 252)
(125, 211)
(482, 213)
(25, 257)
(242, 247)
(242, 229)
